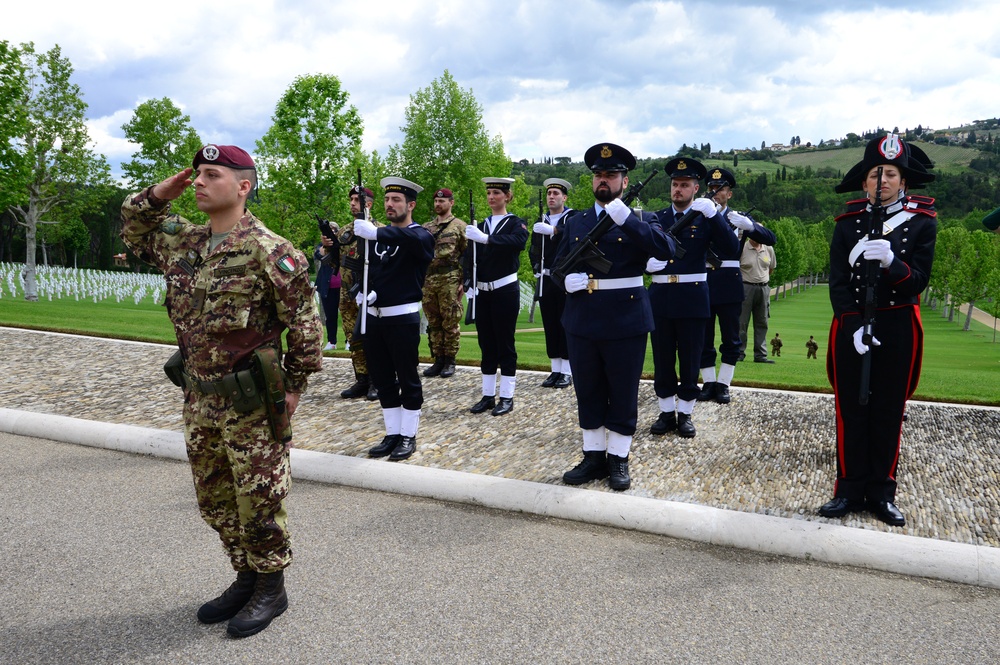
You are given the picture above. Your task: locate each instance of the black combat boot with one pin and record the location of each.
(435, 369)
(685, 427)
(593, 467)
(667, 422)
(268, 601)
(618, 478)
(232, 599)
(372, 393)
(449, 367)
(359, 389)
(707, 391)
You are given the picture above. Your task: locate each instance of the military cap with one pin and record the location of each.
(407, 188)
(608, 157)
(889, 150)
(685, 167)
(499, 183)
(992, 220)
(444, 193)
(223, 155)
(369, 194)
(720, 177)
(558, 183)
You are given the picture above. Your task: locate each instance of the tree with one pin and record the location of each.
(970, 279)
(445, 144)
(306, 160)
(167, 144)
(51, 168)
(789, 251)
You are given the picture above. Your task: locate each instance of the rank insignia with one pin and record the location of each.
(286, 263)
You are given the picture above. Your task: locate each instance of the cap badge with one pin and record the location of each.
(890, 147)
(716, 174)
(605, 152)
(682, 165)
(210, 153)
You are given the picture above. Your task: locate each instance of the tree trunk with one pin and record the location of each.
(30, 233)
(968, 316)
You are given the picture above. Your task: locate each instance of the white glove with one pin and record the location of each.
(543, 229)
(655, 265)
(472, 293)
(860, 346)
(475, 235)
(575, 281)
(618, 211)
(705, 206)
(740, 221)
(879, 250)
(365, 229)
(360, 298)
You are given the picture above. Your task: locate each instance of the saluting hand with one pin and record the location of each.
(174, 186)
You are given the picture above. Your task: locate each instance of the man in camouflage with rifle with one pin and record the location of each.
(443, 286)
(233, 289)
(351, 267)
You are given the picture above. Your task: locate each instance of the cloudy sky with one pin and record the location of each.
(553, 77)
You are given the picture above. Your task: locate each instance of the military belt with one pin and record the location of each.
(615, 283)
(497, 283)
(240, 387)
(729, 264)
(680, 279)
(442, 269)
(394, 310)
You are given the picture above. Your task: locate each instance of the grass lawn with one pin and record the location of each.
(958, 366)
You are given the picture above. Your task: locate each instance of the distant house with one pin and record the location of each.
(120, 260)
(780, 147)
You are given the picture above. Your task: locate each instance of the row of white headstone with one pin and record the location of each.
(55, 282)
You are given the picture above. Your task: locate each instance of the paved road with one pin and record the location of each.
(106, 561)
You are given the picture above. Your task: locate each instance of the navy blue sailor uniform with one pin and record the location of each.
(607, 323)
(397, 266)
(499, 293)
(551, 297)
(679, 295)
(725, 294)
(868, 436)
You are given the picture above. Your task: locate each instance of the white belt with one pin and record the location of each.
(680, 279)
(497, 283)
(729, 264)
(547, 272)
(394, 310)
(617, 283)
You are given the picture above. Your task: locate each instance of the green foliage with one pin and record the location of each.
(167, 144)
(306, 160)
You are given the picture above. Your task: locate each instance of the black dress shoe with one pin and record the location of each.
(707, 391)
(565, 381)
(483, 405)
(504, 406)
(764, 360)
(685, 427)
(388, 444)
(358, 389)
(667, 422)
(372, 393)
(887, 512)
(551, 379)
(722, 393)
(618, 478)
(407, 446)
(839, 506)
(593, 467)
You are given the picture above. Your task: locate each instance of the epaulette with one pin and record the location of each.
(854, 209)
(922, 204)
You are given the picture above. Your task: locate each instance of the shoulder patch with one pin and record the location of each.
(287, 263)
(170, 227)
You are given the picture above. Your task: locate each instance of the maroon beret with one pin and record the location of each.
(444, 193)
(368, 193)
(224, 155)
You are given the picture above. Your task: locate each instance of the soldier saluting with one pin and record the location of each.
(443, 287)
(233, 288)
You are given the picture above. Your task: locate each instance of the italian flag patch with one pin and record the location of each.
(287, 263)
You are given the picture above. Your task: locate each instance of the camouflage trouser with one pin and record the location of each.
(443, 309)
(348, 317)
(241, 479)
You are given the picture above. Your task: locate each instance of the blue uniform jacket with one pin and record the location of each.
(614, 313)
(725, 285)
(397, 264)
(690, 300)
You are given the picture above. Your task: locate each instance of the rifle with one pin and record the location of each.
(586, 251)
(363, 314)
(685, 221)
(872, 271)
(470, 307)
(713, 258)
(541, 261)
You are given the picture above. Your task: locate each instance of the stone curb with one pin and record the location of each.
(907, 555)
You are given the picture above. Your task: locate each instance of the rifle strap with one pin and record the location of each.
(888, 227)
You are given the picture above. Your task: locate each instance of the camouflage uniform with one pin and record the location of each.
(224, 304)
(350, 254)
(442, 296)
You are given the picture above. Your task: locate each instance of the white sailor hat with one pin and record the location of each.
(499, 183)
(558, 183)
(409, 189)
